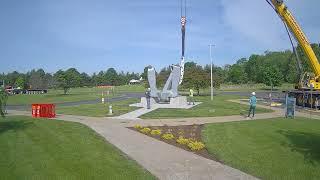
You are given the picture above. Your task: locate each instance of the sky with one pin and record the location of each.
(94, 35)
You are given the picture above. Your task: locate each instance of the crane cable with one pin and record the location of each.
(290, 38)
(183, 10)
(183, 23)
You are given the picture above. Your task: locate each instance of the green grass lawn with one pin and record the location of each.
(269, 149)
(254, 87)
(51, 149)
(130, 88)
(241, 88)
(57, 96)
(99, 110)
(218, 107)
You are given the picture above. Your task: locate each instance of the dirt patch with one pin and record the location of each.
(190, 131)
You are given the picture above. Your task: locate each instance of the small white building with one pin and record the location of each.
(134, 81)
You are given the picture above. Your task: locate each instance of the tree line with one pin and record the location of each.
(66, 79)
(270, 68)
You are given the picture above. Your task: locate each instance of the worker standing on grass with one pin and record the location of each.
(148, 96)
(191, 97)
(253, 103)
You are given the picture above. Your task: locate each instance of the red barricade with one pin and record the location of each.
(43, 110)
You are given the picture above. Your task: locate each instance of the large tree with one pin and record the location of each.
(20, 82)
(48, 81)
(218, 74)
(38, 79)
(237, 74)
(12, 77)
(67, 79)
(196, 77)
(111, 77)
(257, 66)
(73, 77)
(85, 80)
(61, 81)
(100, 79)
(272, 76)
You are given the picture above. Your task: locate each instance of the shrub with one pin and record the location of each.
(196, 145)
(168, 136)
(155, 132)
(145, 130)
(137, 126)
(182, 140)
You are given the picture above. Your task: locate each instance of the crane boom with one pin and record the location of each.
(299, 35)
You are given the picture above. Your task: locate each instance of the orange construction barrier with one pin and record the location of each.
(43, 110)
(34, 110)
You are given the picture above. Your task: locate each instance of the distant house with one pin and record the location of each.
(104, 86)
(134, 81)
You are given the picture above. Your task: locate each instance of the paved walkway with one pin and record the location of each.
(134, 115)
(163, 160)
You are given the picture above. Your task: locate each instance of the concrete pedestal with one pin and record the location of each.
(179, 102)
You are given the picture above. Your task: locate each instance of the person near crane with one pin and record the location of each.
(253, 104)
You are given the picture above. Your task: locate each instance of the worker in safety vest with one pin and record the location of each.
(253, 104)
(191, 97)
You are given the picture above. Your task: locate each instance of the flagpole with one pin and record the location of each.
(211, 64)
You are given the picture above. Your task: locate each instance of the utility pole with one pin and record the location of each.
(210, 45)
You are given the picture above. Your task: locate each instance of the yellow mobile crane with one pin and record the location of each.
(309, 85)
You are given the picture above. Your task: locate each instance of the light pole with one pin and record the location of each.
(210, 45)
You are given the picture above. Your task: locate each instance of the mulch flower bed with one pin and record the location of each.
(189, 131)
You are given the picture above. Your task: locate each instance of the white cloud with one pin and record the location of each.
(255, 20)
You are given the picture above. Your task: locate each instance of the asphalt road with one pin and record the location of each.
(114, 99)
(277, 96)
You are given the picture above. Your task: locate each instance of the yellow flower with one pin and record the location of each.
(155, 132)
(182, 140)
(145, 130)
(168, 136)
(196, 145)
(137, 126)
